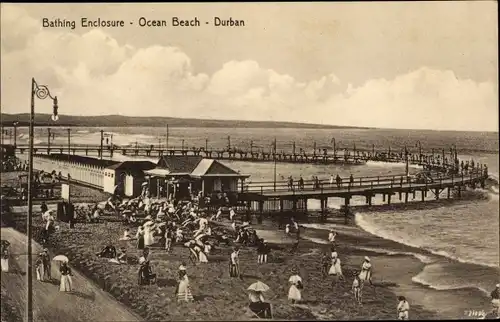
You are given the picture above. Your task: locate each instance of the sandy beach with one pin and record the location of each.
(219, 297)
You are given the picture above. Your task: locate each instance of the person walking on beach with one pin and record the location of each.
(366, 272)
(356, 288)
(403, 308)
(5, 259)
(46, 264)
(335, 269)
(296, 286)
(331, 236)
(66, 282)
(183, 289)
(325, 263)
(495, 299)
(234, 264)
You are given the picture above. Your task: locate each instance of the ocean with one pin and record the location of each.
(456, 243)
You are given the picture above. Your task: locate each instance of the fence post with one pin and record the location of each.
(360, 181)
(261, 190)
(378, 180)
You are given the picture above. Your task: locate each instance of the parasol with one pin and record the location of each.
(258, 287)
(60, 258)
(148, 223)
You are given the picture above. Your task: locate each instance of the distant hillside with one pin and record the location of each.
(119, 120)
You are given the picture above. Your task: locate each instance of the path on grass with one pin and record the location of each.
(87, 303)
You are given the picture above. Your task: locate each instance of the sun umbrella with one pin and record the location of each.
(258, 287)
(200, 236)
(148, 223)
(60, 258)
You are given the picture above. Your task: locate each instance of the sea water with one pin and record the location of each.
(459, 242)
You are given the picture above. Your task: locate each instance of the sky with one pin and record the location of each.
(414, 65)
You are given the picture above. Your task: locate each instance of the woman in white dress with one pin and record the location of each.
(202, 257)
(336, 268)
(366, 271)
(287, 229)
(403, 308)
(295, 291)
(148, 234)
(183, 291)
(5, 259)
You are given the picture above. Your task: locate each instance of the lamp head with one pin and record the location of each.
(55, 115)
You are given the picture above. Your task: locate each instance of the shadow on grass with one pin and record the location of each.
(163, 282)
(199, 298)
(90, 297)
(217, 258)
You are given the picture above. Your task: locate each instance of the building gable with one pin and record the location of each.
(218, 168)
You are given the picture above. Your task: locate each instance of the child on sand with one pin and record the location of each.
(356, 288)
(295, 291)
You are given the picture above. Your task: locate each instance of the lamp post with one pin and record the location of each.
(15, 133)
(419, 150)
(274, 157)
(42, 92)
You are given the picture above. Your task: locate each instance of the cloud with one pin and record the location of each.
(93, 74)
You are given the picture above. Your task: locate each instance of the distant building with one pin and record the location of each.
(182, 176)
(126, 176)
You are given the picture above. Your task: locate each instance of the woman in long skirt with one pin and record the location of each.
(140, 238)
(5, 259)
(234, 263)
(66, 282)
(366, 272)
(336, 268)
(183, 291)
(202, 257)
(148, 235)
(39, 269)
(295, 291)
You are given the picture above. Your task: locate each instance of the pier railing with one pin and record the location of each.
(363, 183)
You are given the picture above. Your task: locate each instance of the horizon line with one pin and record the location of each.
(324, 126)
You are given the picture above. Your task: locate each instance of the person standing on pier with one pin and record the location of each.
(290, 183)
(331, 180)
(301, 183)
(351, 180)
(338, 179)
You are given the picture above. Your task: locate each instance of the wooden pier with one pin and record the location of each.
(322, 156)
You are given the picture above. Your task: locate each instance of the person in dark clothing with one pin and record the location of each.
(107, 252)
(338, 180)
(43, 207)
(325, 264)
(351, 180)
(146, 275)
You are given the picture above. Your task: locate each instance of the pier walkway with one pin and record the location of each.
(320, 156)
